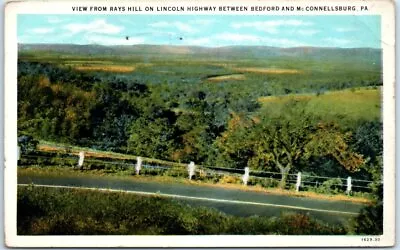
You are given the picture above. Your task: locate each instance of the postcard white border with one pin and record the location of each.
(384, 8)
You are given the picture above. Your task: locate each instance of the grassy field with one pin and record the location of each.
(53, 211)
(357, 104)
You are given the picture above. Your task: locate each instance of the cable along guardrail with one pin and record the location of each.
(298, 180)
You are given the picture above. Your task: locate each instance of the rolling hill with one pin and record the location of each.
(370, 55)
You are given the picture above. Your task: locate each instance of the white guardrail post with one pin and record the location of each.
(138, 165)
(18, 153)
(81, 158)
(191, 169)
(348, 190)
(246, 175)
(298, 182)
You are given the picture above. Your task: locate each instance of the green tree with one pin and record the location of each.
(150, 139)
(289, 143)
(235, 146)
(284, 141)
(368, 141)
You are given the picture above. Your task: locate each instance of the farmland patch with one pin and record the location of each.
(221, 78)
(268, 70)
(107, 68)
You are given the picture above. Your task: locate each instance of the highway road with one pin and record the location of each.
(230, 201)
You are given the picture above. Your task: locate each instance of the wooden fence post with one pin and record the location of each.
(138, 166)
(191, 169)
(246, 175)
(298, 183)
(81, 158)
(348, 190)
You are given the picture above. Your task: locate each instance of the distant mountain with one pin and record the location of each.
(227, 52)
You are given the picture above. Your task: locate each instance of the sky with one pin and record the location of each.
(345, 31)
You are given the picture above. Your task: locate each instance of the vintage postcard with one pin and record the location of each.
(199, 124)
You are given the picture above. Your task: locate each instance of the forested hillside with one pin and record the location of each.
(213, 110)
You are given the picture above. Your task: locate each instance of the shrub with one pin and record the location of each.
(53, 211)
(370, 219)
(303, 224)
(263, 182)
(27, 144)
(230, 179)
(176, 172)
(150, 171)
(331, 186)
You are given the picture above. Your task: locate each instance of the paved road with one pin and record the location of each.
(236, 202)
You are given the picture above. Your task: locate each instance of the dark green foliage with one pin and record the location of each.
(50, 211)
(332, 186)
(368, 139)
(370, 219)
(82, 80)
(112, 115)
(263, 182)
(27, 144)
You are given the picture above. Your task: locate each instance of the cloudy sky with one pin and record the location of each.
(213, 31)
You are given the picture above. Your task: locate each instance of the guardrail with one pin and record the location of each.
(299, 181)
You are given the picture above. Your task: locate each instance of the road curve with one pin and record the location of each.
(235, 202)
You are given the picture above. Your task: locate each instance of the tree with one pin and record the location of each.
(236, 145)
(288, 140)
(328, 140)
(199, 122)
(368, 140)
(155, 138)
(112, 115)
(283, 141)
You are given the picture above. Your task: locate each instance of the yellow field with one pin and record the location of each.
(359, 95)
(269, 70)
(363, 103)
(87, 62)
(226, 77)
(107, 68)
